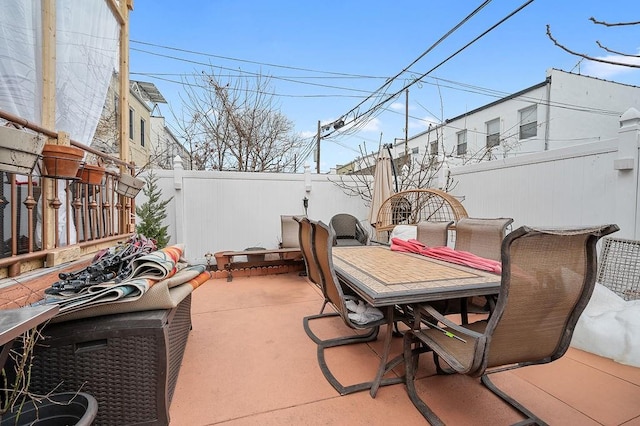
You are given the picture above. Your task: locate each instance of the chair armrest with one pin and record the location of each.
(362, 234)
(430, 310)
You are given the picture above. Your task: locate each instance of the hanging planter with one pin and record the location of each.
(19, 150)
(61, 161)
(91, 174)
(129, 186)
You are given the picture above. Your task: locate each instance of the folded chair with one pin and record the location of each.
(348, 231)
(547, 279)
(322, 248)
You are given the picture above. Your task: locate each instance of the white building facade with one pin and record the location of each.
(564, 110)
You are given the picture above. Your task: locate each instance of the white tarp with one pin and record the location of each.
(87, 40)
(87, 48)
(610, 327)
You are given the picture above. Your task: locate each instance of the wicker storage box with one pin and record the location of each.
(128, 362)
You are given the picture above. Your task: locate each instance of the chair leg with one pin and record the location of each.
(439, 369)
(372, 334)
(411, 358)
(346, 390)
(324, 305)
(531, 419)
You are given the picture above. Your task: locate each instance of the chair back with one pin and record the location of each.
(289, 229)
(482, 237)
(433, 234)
(547, 279)
(344, 225)
(619, 267)
(322, 249)
(348, 228)
(305, 235)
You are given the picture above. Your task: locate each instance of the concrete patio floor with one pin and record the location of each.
(248, 361)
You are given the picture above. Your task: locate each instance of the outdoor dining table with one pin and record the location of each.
(385, 279)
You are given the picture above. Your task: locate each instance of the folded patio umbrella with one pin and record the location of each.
(447, 254)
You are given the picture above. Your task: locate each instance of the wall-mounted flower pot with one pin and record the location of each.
(129, 186)
(19, 150)
(61, 161)
(91, 174)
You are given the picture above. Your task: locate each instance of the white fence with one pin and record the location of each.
(216, 211)
(581, 185)
(587, 184)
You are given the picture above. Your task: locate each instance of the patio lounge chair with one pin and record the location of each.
(547, 279)
(289, 230)
(348, 231)
(322, 248)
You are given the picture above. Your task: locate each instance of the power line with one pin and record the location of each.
(423, 54)
(246, 60)
(392, 96)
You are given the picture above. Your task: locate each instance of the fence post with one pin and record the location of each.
(178, 199)
(626, 165)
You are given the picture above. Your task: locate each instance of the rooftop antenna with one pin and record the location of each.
(577, 66)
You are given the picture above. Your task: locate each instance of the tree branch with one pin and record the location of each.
(607, 24)
(615, 52)
(583, 55)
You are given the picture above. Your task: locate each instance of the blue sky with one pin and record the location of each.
(327, 59)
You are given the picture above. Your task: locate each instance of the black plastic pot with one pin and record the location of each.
(68, 408)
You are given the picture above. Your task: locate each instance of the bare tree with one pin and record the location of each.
(600, 45)
(235, 125)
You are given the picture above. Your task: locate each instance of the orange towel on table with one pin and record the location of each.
(447, 254)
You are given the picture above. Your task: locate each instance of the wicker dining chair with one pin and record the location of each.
(322, 248)
(547, 279)
(619, 267)
(433, 234)
(348, 231)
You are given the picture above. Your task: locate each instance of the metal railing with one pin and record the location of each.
(82, 214)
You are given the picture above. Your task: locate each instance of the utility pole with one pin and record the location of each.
(318, 151)
(406, 127)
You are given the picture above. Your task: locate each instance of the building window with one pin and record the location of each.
(142, 125)
(493, 133)
(415, 150)
(528, 122)
(462, 142)
(131, 126)
(433, 148)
